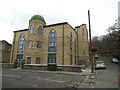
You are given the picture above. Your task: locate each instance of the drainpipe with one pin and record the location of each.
(77, 47)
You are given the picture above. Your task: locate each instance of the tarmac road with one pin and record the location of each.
(107, 78)
(13, 78)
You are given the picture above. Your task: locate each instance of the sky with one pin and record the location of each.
(15, 14)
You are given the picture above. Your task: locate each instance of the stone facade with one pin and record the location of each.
(66, 37)
(5, 50)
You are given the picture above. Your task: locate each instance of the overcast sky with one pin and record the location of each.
(15, 14)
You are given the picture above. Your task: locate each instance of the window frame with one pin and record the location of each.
(39, 43)
(28, 59)
(21, 43)
(52, 41)
(40, 29)
(31, 29)
(37, 59)
(29, 44)
(83, 38)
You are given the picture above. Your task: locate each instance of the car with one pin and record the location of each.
(100, 65)
(114, 60)
(96, 56)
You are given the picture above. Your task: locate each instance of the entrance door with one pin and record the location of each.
(19, 60)
(51, 58)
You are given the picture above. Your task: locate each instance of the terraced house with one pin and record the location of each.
(58, 43)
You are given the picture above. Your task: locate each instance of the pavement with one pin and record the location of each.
(86, 71)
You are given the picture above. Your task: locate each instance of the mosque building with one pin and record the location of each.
(58, 43)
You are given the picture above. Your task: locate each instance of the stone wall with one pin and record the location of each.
(45, 68)
(7, 65)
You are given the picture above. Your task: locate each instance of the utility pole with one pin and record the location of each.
(90, 41)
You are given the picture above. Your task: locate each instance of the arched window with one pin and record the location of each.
(40, 30)
(21, 44)
(31, 29)
(52, 41)
(83, 41)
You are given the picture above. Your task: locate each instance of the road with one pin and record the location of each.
(107, 78)
(32, 79)
(15, 78)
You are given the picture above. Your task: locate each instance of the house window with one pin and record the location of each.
(83, 41)
(30, 44)
(38, 44)
(21, 44)
(28, 60)
(31, 29)
(37, 60)
(40, 30)
(52, 41)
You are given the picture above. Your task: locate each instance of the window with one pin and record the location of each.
(38, 44)
(31, 29)
(83, 41)
(52, 41)
(30, 44)
(28, 60)
(71, 60)
(40, 30)
(75, 60)
(21, 44)
(37, 60)
(71, 49)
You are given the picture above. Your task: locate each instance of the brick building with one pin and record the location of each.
(43, 44)
(5, 50)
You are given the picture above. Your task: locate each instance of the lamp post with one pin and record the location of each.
(90, 41)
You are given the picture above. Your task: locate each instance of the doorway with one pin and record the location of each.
(51, 58)
(19, 60)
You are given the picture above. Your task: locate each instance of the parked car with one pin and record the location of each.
(96, 56)
(114, 60)
(100, 65)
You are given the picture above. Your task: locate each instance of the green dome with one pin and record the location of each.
(37, 17)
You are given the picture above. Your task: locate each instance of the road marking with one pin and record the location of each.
(46, 79)
(54, 80)
(57, 81)
(34, 85)
(9, 75)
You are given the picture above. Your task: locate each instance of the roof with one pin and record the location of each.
(21, 30)
(37, 17)
(5, 41)
(55, 24)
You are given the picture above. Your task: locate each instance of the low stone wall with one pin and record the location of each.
(35, 67)
(59, 68)
(7, 65)
(68, 68)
